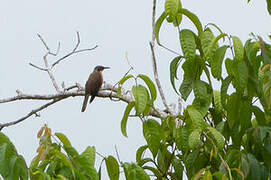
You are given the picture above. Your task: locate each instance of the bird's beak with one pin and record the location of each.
(106, 67)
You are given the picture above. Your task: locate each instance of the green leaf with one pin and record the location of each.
(141, 95)
(216, 136)
(257, 170)
(238, 49)
(87, 158)
(260, 117)
(196, 117)
(12, 165)
(178, 168)
(207, 176)
(134, 172)
(232, 106)
(140, 152)
(155, 171)
(152, 133)
(172, 9)
(203, 96)
(207, 40)
(188, 44)
(121, 82)
(64, 159)
(150, 85)
(181, 139)
(268, 2)
(158, 25)
(186, 87)
(18, 169)
(193, 18)
(63, 139)
(214, 44)
(112, 167)
(241, 75)
(194, 139)
(216, 64)
(217, 101)
(125, 118)
(224, 88)
(163, 159)
(173, 71)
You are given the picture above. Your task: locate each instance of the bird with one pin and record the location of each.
(93, 84)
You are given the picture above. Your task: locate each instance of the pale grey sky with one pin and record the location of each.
(116, 26)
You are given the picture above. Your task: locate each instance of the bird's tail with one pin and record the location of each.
(85, 102)
(91, 99)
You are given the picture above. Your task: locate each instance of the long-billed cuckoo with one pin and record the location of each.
(93, 84)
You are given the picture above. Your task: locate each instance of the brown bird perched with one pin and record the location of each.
(93, 84)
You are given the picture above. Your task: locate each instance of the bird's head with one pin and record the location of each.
(100, 68)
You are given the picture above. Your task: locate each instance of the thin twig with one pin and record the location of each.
(33, 112)
(157, 79)
(50, 73)
(74, 51)
(42, 69)
(154, 65)
(117, 154)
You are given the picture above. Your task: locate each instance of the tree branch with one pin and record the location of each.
(154, 65)
(33, 112)
(107, 91)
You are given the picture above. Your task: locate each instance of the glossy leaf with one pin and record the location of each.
(217, 101)
(216, 136)
(181, 139)
(125, 118)
(122, 81)
(224, 88)
(158, 25)
(206, 39)
(112, 168)
(238, 49)
(173, 71)
(188, 44)
(186, 87)
(150, 85)
(260, 117)
(88, 156)
(63, 139)
(214, 44)
(152, 134)
(141, 95)
(194, 139)
(178, 168)
(139, 153)
(194, 19)
(216, 64)
(196, 117)
(172, 9)
(134, 172)
(268, 2)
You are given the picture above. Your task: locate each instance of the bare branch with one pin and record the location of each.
(107, 91)
(154, 65)
(42, 69)
(50, 73)
(47, 47)
(157, 79)
(74, 51)
(78, 41)
(33, 112)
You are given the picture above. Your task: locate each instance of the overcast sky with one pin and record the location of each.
(116, 27)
